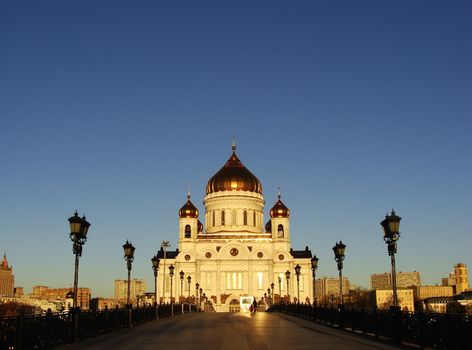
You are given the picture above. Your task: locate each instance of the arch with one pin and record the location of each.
(188, 231)
(222, 218)
(245, 218)
(280, 231)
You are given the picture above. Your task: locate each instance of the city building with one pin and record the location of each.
(423, 292)
(102, 303)
(137, 287)
(462, 279)
(404, 279)
(327, 289)
(233, 254)
(458, 278)
(7, 279)
(382, 298)
(436, 304)
(61, 294)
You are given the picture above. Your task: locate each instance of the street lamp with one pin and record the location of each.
(189, 281)
(391, 227)
(182, 275)
(279, 279)
(338, 250)
(164, 245)
(78, 235)
(171, 275)
(196, 293)
(272, 291)
(314, 267)
(129, 257)
(155, 267)
(287, 277)
(297, 273)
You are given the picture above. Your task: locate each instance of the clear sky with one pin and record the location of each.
(352, 107)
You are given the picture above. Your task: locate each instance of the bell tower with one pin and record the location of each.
(189, 224)
(280, 221)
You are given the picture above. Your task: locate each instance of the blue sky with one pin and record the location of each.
(352, 107)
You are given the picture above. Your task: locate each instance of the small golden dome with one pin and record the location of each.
(188, 210)
(279, 210)
(234, 176)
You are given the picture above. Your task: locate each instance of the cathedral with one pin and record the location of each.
(233, 254)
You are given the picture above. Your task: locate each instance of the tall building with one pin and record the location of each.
(382, 298)
(327, 288)
(461, 277)
(404, 279)
(7, 279)
(458, 278)
(233, 254)
(137, 287)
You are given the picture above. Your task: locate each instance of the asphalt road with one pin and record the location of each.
(229, 331)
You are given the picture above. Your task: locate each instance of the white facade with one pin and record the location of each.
(234, 254)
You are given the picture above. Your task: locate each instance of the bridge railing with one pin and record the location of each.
(432, 330)
(45, 331)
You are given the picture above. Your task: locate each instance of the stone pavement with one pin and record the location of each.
(229, 331)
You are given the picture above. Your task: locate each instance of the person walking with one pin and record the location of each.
(254, 305)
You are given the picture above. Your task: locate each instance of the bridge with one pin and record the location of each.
(228, 331)
(284, 326)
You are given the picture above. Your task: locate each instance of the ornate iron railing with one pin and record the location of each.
(426, 330)
(46, 331)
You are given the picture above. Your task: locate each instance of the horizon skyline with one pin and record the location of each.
(351, 108)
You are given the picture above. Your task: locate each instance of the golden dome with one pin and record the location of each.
(279, 210)
(234, 176)
(188, 210)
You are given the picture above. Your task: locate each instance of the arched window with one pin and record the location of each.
(188, 231)
(222, 218)
(213, 218)
(254, 218)
(245, 218)
(280, 231)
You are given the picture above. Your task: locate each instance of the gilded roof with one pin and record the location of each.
(188, 210)
(279, 210)
(234, 176)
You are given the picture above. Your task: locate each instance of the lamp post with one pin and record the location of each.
(272, 291)
(171, 275)
(78, 235)
(201, 291)
(196, 294)
(155, 267)
(391, 227)
(129, 257)
(189, 281)
(182, 275)
(338, 250)
(279, 279)
(314, 267)
(297, 273)
(287, 277)
(164, 246)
